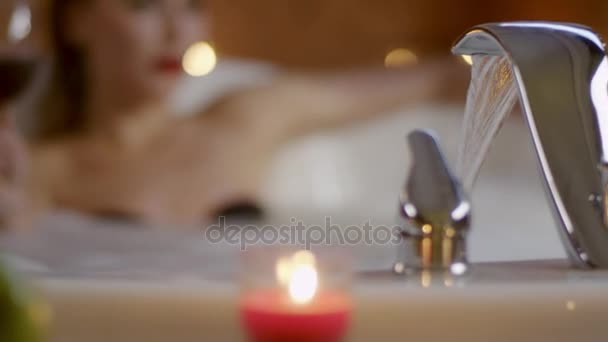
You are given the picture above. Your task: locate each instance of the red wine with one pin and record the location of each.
(15, 75)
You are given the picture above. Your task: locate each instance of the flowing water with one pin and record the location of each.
(492, 94)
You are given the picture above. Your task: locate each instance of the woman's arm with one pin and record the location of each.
(299, 103)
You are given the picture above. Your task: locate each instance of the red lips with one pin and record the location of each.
(169, 65)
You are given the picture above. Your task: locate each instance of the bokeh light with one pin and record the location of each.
(20, 24)
(200, 59)
(399, 58)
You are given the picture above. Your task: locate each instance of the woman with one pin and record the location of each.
(106, 142)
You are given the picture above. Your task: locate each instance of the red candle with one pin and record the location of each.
(298, 308)
(271, 315)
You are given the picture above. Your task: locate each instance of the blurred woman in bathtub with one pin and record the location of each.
(105, 141)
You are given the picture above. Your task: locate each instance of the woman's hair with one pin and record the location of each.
(58, 108)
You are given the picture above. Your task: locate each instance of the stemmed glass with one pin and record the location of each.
(18, 60)
(17, 54)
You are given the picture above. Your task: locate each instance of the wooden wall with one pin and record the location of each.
(317, 33)
(330, 33)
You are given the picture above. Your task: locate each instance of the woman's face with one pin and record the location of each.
(135, 46)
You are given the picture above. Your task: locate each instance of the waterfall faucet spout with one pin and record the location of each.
(561, 72)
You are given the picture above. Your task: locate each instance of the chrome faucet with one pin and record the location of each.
(561, 72)
(437, 213)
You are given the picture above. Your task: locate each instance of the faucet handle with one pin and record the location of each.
(436, 211)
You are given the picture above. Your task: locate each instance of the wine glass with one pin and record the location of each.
(18, 59)
(17, 56)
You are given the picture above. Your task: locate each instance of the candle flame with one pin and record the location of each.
(299, 276)
(303, 284)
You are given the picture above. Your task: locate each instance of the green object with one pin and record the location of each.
(19, 314)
